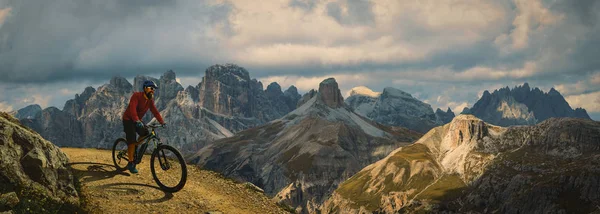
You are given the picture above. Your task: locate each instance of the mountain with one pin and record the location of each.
(395, 107)
(228, 90)
(522, 106)
(34, 175)
(300, 158)
(444, 117)
(469, 166)
(93, 118)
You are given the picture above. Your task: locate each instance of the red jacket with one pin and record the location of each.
(138, 106)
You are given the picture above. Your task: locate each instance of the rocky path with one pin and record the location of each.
(106, 190)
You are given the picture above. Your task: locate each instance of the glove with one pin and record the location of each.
(164, 125)
(139, 124)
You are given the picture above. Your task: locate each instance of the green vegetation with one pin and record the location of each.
(295, 164)
(448, 187)
(286, 207)
(354, 189)
(34, 199)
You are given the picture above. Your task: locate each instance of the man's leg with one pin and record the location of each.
(131, 150)
(129, 128)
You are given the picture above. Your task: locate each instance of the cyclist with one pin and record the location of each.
(139, 103)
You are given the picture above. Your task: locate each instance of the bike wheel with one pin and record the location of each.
(119, 154)
(168, 168)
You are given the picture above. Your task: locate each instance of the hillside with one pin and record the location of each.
(300, 158)
(108, 191)
(469, 166)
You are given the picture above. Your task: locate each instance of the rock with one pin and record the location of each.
(253, 187)
(34, 169)
(469, 166)
(93, 118)
(120, 84)
(8, 201)
(29, 112)
(330, 93)
(292, 97)
(444, 117)
(395, 107)
(228, 90)
(168, 89)
(522, 106)
(300, 158)
(306, 97)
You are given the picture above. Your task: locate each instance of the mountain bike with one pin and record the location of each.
(171, 172)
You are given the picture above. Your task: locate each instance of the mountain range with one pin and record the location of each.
(522, 106)
(469, 166)
(225, 102)
(395, 107)
(300, 158)
(321, 153)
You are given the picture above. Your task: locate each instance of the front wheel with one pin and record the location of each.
(168, 168)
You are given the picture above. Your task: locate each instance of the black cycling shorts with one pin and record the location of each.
(130, 129)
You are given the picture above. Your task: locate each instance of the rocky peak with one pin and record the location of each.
(193, 92)
(292, 97)
(466, 127)
(444, 117)
(389, 92)
(169, 75)
(292, 90)
(522, 106)
(329, 93)
(226, 73)
(29, 112)
(459, 138)
(138, 83)
(168, 89)
(486, 93)
(273, 89)
(554, 92)
(306, 97)
(438, 111)
(87, 93)
(120, 83)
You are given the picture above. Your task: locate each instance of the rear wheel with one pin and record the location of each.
(119, 154)
(168, 168)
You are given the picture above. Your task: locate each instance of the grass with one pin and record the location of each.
(33, 199)
(286, 207)
(354, 189)
(448, 187)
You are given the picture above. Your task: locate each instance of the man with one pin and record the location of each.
(139, 103)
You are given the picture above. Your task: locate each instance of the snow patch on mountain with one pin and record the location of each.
(362, 90)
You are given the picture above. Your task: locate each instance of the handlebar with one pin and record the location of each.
(154, 126)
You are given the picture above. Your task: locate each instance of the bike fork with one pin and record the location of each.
(162, 160)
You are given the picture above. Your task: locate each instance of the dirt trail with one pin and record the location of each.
(109, 191)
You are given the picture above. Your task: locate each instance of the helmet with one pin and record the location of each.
(149, 83)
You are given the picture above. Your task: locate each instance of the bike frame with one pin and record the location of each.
(139, 153)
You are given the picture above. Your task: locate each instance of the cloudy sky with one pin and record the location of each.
(444, 52)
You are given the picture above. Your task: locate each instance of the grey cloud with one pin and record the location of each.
(65, 40)
(306, 5)
(585, 10)
(359, 12)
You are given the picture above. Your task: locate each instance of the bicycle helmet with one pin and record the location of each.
(149, 83)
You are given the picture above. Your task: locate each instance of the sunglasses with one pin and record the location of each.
(150, 88)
